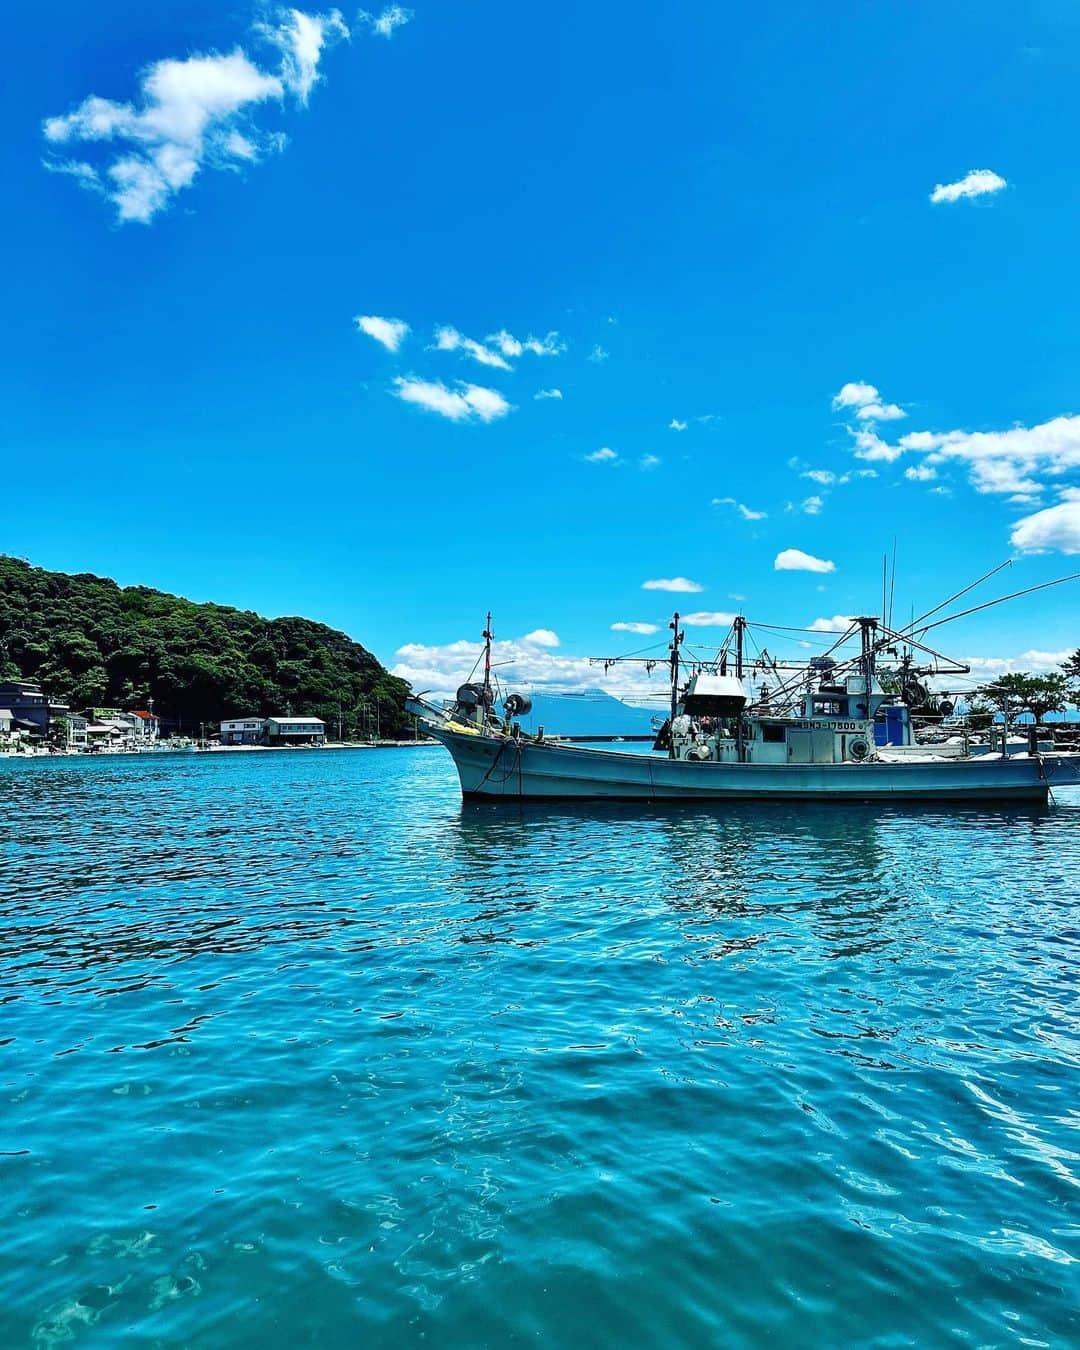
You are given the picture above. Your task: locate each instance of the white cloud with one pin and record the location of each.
(598, 354)
(1055, 527)
(548, 393)
(811, 506)
(605, 455)
(647, 462)
(523, 665)
(1015, 463)
(466, 403)
(394, 16)
(506, 343)
(676, 425)
(1005, 461)
(975, 183)
(839, 623)
(190, 114)
(85, 174)
(707, 618)
(542, 637)
(880, 412)
(855, 395)
(826, 477)
(390, 332)
(448, 339)
(552, 345)
(1033, 662)
(795, 560)
(240, 146)
(745, 511)
(641, 629)
(677, 584)
(869, 445)
(302, 39)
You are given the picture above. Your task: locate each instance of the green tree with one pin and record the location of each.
(92, 642)
(1036, 694)
(979, 714)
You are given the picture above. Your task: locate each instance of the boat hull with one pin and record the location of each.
(500, 768)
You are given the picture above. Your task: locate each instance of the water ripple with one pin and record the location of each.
(296, 1048)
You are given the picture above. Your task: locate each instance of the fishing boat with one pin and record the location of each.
(827, 730)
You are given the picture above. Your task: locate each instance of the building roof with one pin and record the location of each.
(5, 714)
(147, 716)
(296, 721)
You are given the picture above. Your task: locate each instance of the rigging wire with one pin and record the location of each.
(916, 623)
(1029, 590)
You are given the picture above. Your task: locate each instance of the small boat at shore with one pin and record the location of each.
(831, 731)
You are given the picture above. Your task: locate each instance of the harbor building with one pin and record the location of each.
(145, 725)
(108, 735)
(29, 706)
(75, 732)
(294, 731)
(242, 730)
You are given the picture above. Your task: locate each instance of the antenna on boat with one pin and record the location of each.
(740, 629)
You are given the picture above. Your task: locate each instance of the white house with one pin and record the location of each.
(75, 731)
(145, 725)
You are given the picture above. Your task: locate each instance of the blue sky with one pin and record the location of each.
(717, 216)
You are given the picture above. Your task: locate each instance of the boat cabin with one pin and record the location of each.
(840, 723)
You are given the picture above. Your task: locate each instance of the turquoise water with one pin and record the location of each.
(297, 1050)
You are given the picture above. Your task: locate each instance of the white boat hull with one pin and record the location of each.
(501, 768)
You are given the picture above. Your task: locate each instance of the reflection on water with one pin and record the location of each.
(481, 1074)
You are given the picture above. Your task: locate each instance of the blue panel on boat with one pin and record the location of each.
(891, 730)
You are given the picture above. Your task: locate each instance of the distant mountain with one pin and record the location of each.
(91, 642)
(592, 712)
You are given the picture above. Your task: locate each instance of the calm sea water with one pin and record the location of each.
(297, 1050)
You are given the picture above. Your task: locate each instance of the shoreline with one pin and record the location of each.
(214, 750)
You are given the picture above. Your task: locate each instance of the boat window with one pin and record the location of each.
(772, 732)
(830, 707)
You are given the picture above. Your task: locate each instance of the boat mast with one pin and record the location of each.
(868, 627)
(740, 726)
(488, 635)
(676, 638)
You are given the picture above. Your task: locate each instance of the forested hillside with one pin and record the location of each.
(90, 641)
